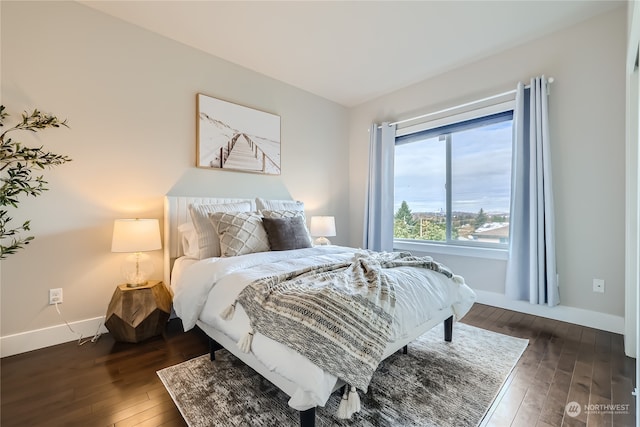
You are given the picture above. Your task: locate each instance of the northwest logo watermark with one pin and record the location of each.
(573, 409)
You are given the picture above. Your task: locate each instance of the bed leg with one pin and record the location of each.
(405, 349)
(448, 329)
(308, 417)
(213, 347)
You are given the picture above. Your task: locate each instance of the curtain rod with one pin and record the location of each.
(489, 98)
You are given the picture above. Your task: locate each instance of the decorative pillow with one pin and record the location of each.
(189, 240)
(240, 233)
(288, 214)
(279, 205)
(286, 233)
(282, 213)
(208, 240)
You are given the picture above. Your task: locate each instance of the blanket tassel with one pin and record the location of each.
(245, 342)
(350, 403)
(227, 313)
(458, 279)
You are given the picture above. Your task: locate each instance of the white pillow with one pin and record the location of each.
(189, 240)
(279, 205)
(208, 240)
(240, 233)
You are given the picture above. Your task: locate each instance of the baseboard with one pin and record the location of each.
(53, 335)
(579, 316)
(45, 337)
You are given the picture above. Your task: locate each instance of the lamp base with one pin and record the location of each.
(136, 269)
(321, 241)
(136, 285)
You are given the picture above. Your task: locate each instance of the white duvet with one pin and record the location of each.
(204, 288)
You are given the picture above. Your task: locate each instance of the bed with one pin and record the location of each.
(211, 292)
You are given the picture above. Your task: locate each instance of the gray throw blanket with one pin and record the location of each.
(337, 315)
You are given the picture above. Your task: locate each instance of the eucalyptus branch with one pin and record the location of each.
(17, 162)
(16, 243)
(15, 153)
(32, 122)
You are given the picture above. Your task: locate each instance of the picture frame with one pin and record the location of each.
(234, 137)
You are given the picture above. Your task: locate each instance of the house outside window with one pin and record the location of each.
(452, 180)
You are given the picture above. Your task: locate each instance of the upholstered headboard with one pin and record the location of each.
(176, 213)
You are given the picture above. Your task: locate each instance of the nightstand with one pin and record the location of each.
(136, 314)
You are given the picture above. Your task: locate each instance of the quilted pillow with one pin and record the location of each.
(283, 213)
(240, 233)
(208, 240)
(286, 233)
(279, 205)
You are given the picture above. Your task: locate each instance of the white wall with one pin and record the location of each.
(632, 274)
(587, 114)
(129, 96)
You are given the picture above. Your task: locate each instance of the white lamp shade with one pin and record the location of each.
(322, 226)
(136, 235)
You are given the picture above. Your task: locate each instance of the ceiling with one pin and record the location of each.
(353, 51)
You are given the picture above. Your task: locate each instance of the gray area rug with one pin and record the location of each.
(436, 384)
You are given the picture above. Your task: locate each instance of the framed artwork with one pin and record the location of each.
(235, 137)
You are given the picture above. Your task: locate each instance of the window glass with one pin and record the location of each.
(452, 184)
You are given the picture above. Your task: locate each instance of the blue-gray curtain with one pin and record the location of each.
(378, 216)
(531, 269)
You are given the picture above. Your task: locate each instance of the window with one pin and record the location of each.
(452, 180)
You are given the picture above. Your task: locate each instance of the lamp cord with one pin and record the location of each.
(80, 341)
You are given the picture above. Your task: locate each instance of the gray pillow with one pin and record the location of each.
(286, 233)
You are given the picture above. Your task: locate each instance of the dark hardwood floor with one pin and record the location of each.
(115, 384)
(563, 363)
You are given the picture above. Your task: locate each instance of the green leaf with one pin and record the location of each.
(17, 162)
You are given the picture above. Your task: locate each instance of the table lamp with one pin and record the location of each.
(322, 227)
(136, 236)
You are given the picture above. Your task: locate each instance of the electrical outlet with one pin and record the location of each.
(598, 286)
(55, 296)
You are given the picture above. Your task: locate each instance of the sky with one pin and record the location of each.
(244, 119)
(481, 171)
